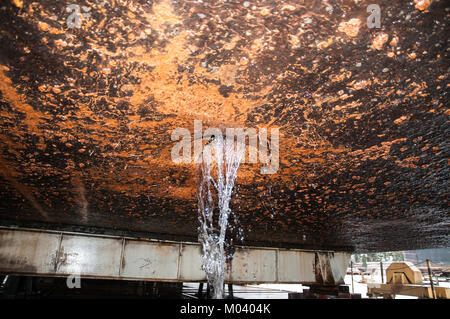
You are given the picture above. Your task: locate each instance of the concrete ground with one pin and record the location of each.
(281, 291)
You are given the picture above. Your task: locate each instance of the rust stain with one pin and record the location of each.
(422, 4)
(350, 27)
(9, 93)
(379, 40)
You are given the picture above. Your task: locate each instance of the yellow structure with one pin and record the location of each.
(404, 278)
(403, 273)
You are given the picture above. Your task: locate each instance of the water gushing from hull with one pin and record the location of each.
(221, 159)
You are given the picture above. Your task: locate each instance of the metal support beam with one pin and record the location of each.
(230, 291)
(430, 276)
(50, 253)
(381, 271)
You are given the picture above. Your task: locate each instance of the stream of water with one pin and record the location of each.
(216, 175)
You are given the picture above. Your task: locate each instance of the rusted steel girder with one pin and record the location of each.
(46, 253)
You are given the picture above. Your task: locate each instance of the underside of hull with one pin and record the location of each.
(87, 114)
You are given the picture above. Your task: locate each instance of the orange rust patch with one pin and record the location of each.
(32, 117)
(401, 119)
(379, 41)
(422, 4)
(358, 85)
(325, 44)
(350, 28)
(18, 3)
(43, 26)
(342, 75)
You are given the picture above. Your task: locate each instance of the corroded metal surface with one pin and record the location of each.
(87, 113)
